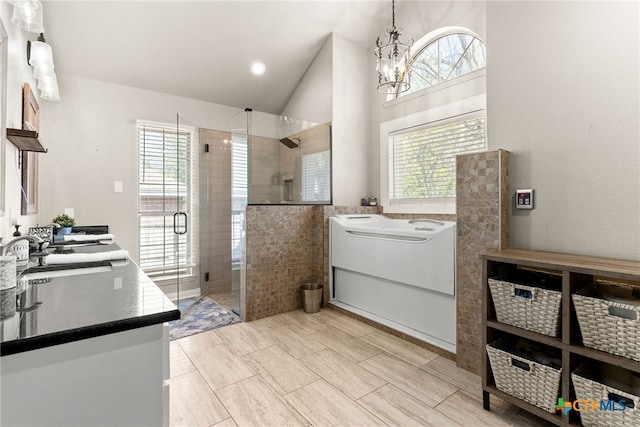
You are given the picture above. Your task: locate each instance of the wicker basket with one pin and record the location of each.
(523, 378)
(529, 307)
(592, 390)
(604, 331)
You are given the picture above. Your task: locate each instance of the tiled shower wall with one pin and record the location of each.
(218, 188)
(281, 249)
(482, 205)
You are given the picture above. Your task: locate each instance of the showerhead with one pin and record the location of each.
(290, 143)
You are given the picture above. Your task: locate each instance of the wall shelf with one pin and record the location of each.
(26, 140)
(577, 271)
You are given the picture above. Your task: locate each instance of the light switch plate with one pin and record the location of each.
(117, 186)
(524, 199)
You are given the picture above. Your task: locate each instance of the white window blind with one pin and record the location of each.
(165, 179)
(316, 180)
(422, 159)
(239, 186)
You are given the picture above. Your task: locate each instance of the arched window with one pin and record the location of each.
(441, 58)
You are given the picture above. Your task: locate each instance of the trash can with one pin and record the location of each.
(311, 297)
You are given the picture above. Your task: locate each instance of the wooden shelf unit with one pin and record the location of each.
(25, 140)
(577, 271)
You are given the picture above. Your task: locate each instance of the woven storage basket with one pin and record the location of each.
(589, 389)
(539, 385)
(529, 307)
(604, 331)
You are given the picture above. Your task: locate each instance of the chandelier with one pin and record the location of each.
(393, 59)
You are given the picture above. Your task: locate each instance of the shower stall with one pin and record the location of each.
(275, 160)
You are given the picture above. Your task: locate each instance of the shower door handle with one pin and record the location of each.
(178, 227)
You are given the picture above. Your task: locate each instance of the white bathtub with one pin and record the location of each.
(399, 273)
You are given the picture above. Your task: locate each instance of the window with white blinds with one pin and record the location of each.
(418, 155)
(164, 188)
(239, 186)
(422, 160)
(316, 179)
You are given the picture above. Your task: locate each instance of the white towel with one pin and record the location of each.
(80, 258)
(85, 237)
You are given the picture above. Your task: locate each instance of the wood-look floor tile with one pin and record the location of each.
(307, 323)
(220, 366)
(345, 323)
(397, 408)
(343, 374)
(325, 406)
(226, 423)
(199, 341)
(268, 323)
(280, 370)
(293, 341)
(252, 402)
(179, 363)
(447, 370)
(345, 344)
(193, 403)
(402, 349)
(528, 419)
(422, 385)
(467, 410)
(244, 338)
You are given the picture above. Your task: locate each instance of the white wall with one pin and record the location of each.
(350, 131)
(18, 73)
(563, 97)
(417, 18)
(312, 98)
(91, 136)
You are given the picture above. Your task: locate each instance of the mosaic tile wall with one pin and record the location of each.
(482, 208)
(282, 248)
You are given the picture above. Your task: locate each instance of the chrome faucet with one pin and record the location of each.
(4, 248)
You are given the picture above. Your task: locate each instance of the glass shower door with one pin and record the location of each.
(239, 197)
(188, 219)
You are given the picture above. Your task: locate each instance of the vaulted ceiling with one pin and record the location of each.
(204, 49)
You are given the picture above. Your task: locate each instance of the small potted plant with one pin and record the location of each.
(65, 223)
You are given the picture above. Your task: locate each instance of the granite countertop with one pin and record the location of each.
(73, 305)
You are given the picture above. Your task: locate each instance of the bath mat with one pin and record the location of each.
(202, 316)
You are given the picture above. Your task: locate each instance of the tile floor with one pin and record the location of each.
(323, 369)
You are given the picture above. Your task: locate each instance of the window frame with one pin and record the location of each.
(418, 47)
(168, 274)
(423, 206)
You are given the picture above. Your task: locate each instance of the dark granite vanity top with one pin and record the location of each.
(75, 304)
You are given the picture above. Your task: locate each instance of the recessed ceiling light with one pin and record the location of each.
(258, 68)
